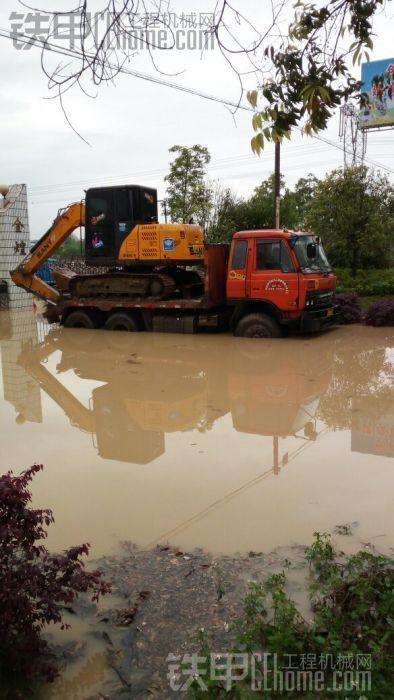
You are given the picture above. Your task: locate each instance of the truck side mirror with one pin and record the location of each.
(311, 250)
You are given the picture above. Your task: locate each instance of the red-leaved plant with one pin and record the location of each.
(349, 307)
(381, 313)
(34, 584)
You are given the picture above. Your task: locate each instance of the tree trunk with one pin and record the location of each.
(354, 257)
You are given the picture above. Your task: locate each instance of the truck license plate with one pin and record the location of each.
(330, 312)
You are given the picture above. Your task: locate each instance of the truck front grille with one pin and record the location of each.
(319, 300)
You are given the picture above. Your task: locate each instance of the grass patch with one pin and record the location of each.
(351, 631)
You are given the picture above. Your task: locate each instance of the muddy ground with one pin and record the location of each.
(161, 600)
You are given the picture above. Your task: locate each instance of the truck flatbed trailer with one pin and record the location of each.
(176, 314)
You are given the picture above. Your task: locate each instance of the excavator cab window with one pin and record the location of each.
(124, 218)
(111, 214)
(145, 205)
(99, 229)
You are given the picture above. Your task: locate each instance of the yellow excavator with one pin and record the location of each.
(122, 235)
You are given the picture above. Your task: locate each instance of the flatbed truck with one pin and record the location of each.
(164, 278)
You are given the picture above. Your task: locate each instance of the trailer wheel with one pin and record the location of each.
(121, 321)
(258, 326)
(79, 319)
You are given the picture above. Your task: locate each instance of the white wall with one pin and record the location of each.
(14, 244)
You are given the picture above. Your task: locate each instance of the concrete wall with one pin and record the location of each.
(14, 245)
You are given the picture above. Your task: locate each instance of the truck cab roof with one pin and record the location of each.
(269, 233)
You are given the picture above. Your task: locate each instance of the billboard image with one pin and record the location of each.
(378, 84)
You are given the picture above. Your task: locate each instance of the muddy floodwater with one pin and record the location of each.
(176, 442)
(205, 441)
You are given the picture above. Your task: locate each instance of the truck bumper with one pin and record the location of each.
(316, 320)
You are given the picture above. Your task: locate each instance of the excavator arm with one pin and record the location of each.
(63, 226)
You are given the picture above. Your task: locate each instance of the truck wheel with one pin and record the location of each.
(121, 321)
(258, 326)
(79, 319)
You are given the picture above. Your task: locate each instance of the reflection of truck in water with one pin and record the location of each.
(162, 277)
(145, 395)
(279, 398)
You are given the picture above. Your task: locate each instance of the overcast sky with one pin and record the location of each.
(131, 125)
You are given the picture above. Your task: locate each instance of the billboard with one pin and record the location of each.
(378, 83)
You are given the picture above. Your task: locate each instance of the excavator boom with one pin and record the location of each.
(63, 226)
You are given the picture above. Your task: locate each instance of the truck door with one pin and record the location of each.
(272, 275)
(236, 278)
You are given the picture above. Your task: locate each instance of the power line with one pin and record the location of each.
(37, 198)
(219, 164)
(74, 53)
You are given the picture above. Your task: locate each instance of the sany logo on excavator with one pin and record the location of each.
(45, 246)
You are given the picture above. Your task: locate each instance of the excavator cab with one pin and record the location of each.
(111, 215)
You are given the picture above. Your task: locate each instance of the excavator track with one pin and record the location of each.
(154, 285)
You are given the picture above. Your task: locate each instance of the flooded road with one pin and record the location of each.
(201, 441)
(225, 444)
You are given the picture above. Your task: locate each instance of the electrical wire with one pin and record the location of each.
(241, 161)
(74, 53)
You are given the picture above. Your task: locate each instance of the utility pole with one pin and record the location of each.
(277, 184)
(276, 468)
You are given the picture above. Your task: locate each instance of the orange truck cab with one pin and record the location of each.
(278, 277)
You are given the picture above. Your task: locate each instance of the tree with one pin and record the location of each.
(256, 212)
(309, 75)
(71, 247)
(188, 195)
(303, 194)
(264, 201)
(303, 73)
(219, 219)
(353, 211)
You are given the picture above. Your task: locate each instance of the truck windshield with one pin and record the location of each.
(319, 263)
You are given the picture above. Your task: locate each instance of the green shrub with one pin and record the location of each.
(352, 612)
(367, 283)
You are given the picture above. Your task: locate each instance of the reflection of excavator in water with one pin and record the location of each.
(122, 232)
(125, 416)
(147, 394)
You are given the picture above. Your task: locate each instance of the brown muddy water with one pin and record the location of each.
(226, 444)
